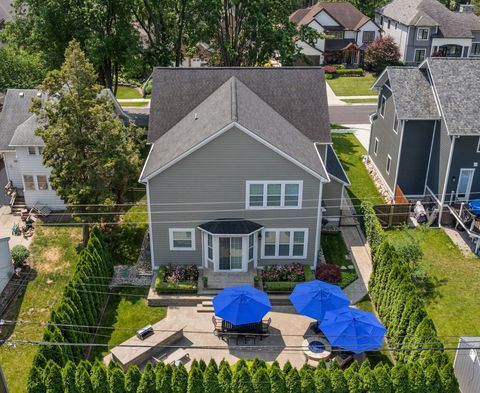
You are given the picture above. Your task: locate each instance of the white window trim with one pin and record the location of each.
(170, 239)
(207, 247)
(383, 103)
(419, 50)
(418, 34)
(375, 146)
(478, 146)
(35, 182)
(396, 121)
(282, 194)
(277, 243)
(387, 166)
(471, 49)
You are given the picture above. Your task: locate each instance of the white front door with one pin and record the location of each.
(465, 181)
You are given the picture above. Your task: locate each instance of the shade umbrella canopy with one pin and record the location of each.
(315, 298)
(353, 330)
(242, 304)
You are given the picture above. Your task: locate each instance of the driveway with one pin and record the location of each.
(351, 114)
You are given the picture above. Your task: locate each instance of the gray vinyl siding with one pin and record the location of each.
(210, 183)
(464, 156)
(414, 43)
(414, 156)
(332, 196)
(467, 370)
(389, 141)
(439, 160)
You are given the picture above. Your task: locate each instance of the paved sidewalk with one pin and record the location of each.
(334, 100)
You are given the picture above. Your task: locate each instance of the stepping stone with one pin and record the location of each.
(343, 268)
(351, 267)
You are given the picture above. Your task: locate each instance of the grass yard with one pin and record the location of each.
(133, 103)
(360, 100)
(125, 313)
(350, 151)
(452, 288)
(336, 252)
(127, 92)
(353, 86)
(53, 255)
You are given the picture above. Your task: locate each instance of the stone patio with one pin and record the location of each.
(6, 223)
(288, 330)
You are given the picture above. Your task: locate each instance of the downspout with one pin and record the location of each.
(319, 225)
(445, 183)
(152, 255)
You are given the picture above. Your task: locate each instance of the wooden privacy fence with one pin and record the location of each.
(394, 215)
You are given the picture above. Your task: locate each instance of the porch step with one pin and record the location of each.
(205, 306)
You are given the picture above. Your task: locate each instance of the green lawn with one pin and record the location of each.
(53, 254)
(336, 252)
(360, 100)
(350, 151)
(125, 314)
(353, 86)
(452, 288)
(133, 103)
(127, 92)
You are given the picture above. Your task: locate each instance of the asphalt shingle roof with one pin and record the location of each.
(346, 14)
(333, 165)
(16, 109)
(233, 102)
(24, 134)
(412, 93)
(298, 94)
(432, 13)
(5, 9)
(230, 226)
(457, 83)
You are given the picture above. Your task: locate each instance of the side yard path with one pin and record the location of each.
(53, 256)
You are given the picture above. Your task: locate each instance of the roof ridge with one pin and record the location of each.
(233, 81)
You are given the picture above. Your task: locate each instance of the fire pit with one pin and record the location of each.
(316, 348)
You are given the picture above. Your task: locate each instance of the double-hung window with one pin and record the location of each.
(475, 51)
(274, 194)
(396, 123)
(182, 239)
(32, 150)
(389, 164)
(251, 246)
(368, 36)
(383, 100)
(29, 182)
(423, 34)
(210, 247)
(478, 146)
(284, 243)
(42, 182)
(419, 55)
(375, 146)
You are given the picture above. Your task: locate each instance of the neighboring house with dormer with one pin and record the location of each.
(425, 28)
(349, 32)
(21, 149)
(241, 172)
(425, 137)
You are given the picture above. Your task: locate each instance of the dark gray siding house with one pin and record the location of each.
(241, 171)
(467, 364)
(424, 28)
(430, 129)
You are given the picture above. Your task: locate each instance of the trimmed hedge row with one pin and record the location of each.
(399, 303)
(255, 377)
(172, 287)
(332, 72)
(81, 304)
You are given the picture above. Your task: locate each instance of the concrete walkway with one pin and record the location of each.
(334, 100)
(6, 223)
(461, 240)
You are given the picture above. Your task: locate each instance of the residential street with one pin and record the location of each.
(350, 114)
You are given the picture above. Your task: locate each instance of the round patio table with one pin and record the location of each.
(316, 348)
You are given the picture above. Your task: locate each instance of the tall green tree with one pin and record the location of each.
(116, 380)
(35, 382)
(132, 379)
(147, 381)
(53, 378)
(261, 381)
(210, 381)
(68, 376)
(99, 377)
(20, 69)
(94, 156)
(179, 379)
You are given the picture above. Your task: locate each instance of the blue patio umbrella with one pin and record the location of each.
(474, 206)
(242, 304)
(315, 298)
(353, 330)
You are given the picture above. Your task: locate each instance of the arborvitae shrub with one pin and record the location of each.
(179, 379)
(195, 380)
(147, 380)
(261, 381)
(35, 382)
(68, 377)
(210, 381)
(132, 379)
(293, 381)
(116, 380)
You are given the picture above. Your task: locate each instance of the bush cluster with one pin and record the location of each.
(20, 254)
(329, 273)
(181, 273)
(400, 305)
(293, 272)
(337, 72)
(256, 377)
(81, 304)
(177, 279)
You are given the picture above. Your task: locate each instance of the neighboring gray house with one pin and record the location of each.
(348, 29)
(425, 136)
(21, 149)
(467, 364)
(241, 171)
(5, 11)
(424, 28)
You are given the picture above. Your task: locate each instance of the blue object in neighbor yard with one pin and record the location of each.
(353, 330)
(241, 305)
(474, 207)
(315, 298)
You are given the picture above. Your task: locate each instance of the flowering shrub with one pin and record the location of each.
(381, 53)
(329, 273)
(329, 69)
(181, 273)
(292, 272)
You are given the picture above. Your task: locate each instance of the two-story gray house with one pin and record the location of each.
(425, 136)
(424, 28)
(241, 171)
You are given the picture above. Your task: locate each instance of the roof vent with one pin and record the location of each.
(39, 93)
(21, 94)
(196, 115)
